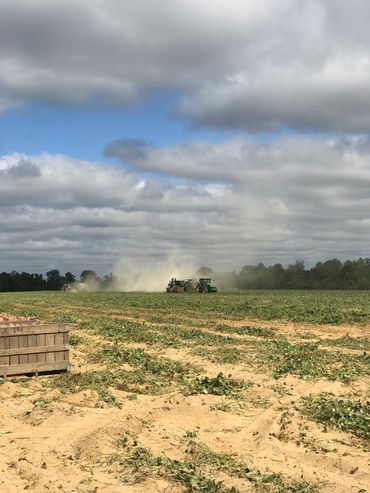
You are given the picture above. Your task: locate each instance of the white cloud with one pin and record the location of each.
(239, 64)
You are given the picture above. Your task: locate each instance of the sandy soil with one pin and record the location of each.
(65, 443)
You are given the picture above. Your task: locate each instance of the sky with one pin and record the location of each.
(139, 132)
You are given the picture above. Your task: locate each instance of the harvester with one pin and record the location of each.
(201, 285)
(175, 286)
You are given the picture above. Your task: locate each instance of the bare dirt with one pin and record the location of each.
(53, 442)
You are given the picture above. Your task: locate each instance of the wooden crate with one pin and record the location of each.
(31, 347)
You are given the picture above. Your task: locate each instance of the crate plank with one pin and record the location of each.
(34, 329)
(34, 350)
(10, 370)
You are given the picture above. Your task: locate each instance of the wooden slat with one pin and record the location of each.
(32, 342)
(60, 356)
(41, 341)
(24, 359)
(23, 343)
(34, 368)
(59, 339)
(34, 350)
(4, 344)
(13, 351)
(50, 341)
(34, 329)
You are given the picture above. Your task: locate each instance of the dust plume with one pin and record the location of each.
(151, 275)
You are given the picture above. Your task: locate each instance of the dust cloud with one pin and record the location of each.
(151, 275)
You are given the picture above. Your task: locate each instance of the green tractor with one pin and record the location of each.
(206, 285)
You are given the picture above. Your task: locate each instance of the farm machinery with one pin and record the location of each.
(201, 285)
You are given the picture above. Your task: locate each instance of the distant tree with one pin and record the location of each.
(69, 278)
(5, 282)
(204, 272)
(277, 274)
(255, 276)
(245, 277)
(54, 280)
(91, 278)
(356, 274)
(295, 275)
(328, 274)
(88, 274)
(38, 283)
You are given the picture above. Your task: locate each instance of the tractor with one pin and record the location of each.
(206, 285)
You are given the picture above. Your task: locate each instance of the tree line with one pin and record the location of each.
(331, 274)
(54, 281)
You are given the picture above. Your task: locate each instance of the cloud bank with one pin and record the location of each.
(231, 203)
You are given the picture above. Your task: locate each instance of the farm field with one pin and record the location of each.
(258, 391)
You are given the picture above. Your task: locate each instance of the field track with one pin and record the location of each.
(233, 392)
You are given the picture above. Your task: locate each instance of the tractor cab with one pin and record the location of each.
(207, 285)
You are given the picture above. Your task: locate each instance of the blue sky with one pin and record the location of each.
(84, 131)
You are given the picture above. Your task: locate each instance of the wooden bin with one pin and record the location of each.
(33, 347)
